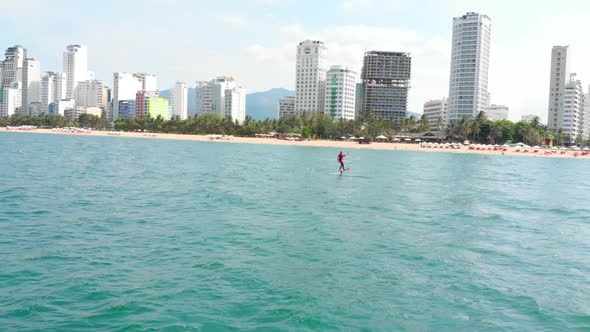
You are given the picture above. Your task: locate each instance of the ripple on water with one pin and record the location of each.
(167, 235)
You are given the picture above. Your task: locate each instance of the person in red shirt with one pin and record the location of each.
(341, 156)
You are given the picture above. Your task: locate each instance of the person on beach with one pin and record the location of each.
(340, 158)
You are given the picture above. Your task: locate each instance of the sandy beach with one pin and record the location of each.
(542, 153)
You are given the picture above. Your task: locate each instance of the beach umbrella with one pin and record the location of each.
(586, 149)
(362, 137)
(408, 140)
(466, 142)
(418, 140)
(381, 137)
(575, 148)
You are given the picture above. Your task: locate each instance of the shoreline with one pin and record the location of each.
(311, 143)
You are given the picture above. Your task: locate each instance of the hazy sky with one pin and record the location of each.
(254, 40)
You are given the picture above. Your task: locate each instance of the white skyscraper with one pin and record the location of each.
(436, 111)
(204, 97)
(180, 100)
(75, 65)
(286, 107)
(149, 82)
(125, 87)
(235, 104)
(340, 93)
(468, 86)
(219, 86)
(211, 97)
(573, 108)
(31, 88)
(310, 77)
(53, 88)
(560, 71)
(90, 94)
(12, 66)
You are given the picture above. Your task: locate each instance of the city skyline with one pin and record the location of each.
(258, 48)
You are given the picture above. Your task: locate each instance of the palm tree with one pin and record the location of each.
(495, 133)
(424, 125)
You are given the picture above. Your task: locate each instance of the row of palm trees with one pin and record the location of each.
(479, 129)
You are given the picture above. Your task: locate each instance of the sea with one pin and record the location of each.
(133, 234)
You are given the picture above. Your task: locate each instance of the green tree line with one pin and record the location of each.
(320, 126)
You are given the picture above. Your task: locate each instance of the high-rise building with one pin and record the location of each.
(235, 104)
(340, 93)
(310, 77)
(203, 97)
(470, 62)
(573, 108)
(90, 93)
(386, 82)
(12, 66)
(180, 100)
(31, 89)
(211, 97)
(560, 71)
(286, 107)
(53, 88)
(125, 87)
(149, 82)
(359, 102)
(10, 99)
(436, 111)
(75, 65)
(497, 112)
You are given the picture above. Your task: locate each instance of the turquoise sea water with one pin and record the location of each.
(106, 233)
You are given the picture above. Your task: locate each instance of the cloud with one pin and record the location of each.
(346, 46)
(232, 19)
(355, 6)
(275, 2)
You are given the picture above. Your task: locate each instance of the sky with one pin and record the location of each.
(255, 40)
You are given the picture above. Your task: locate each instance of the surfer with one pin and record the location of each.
(340, 158)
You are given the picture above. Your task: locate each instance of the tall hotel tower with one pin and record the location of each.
(470, 62)
(560, 74)
(311, 77)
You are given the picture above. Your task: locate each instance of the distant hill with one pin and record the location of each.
(263, 105)
(259, 105)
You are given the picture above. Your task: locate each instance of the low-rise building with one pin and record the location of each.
(126, 109)
(436, 112)
(11, 98)
(286, 107)
(60, 107)
(497, 112)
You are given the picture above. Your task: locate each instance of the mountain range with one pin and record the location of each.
(259, 105)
